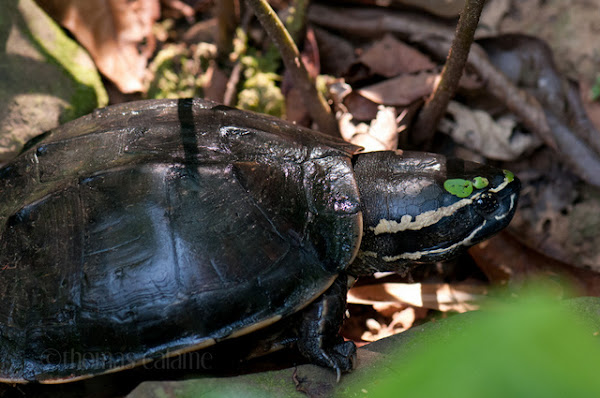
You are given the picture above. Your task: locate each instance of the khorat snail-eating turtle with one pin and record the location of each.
(154, 228)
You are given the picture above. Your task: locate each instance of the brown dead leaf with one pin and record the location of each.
(390, 57)
(558, 215)
(505, 261)
(112, 31)
(216, 83)
(202, 31)
(296, 109)
(438, 296)
(401, 90)
(408, 88)
(361, 108)
(336, 53)
(178, 9)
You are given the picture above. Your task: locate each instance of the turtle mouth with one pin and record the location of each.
(441, 253)
(491, 222)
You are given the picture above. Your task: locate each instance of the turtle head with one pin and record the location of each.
(422, 208)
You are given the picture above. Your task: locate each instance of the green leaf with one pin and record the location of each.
(534, 347)
(480, 182)
(459, 187)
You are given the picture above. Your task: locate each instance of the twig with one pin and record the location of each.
(231, 87)
(226, 28)
(315, 103)
(436, 105)
(432, 35)
(234, 77)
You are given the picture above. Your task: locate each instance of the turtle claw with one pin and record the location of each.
(344, 358)
(318, 340)
(340, 357)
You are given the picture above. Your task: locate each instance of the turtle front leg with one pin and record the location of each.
(319, 340)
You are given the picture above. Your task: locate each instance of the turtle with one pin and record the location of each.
(153, 228)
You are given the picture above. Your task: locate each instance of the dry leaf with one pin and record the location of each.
(401, 90)
(216, 83)
(491, 17)
(402, 319)
(112, 31)
(390, 57)
(559, 216)
(380, 135)
(336, 53)
(177, 9)
(438, 296)
(495, 139)
(360, 107)
(202, 31)
(504, 260)
(408, 88)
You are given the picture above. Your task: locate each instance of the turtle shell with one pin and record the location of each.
(153, 228)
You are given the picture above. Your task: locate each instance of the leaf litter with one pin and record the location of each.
(390, 61)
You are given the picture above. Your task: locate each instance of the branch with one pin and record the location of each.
(318, 108)
(226, 28)
(436, 105)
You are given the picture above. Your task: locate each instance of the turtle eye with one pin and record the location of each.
(487, 203)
